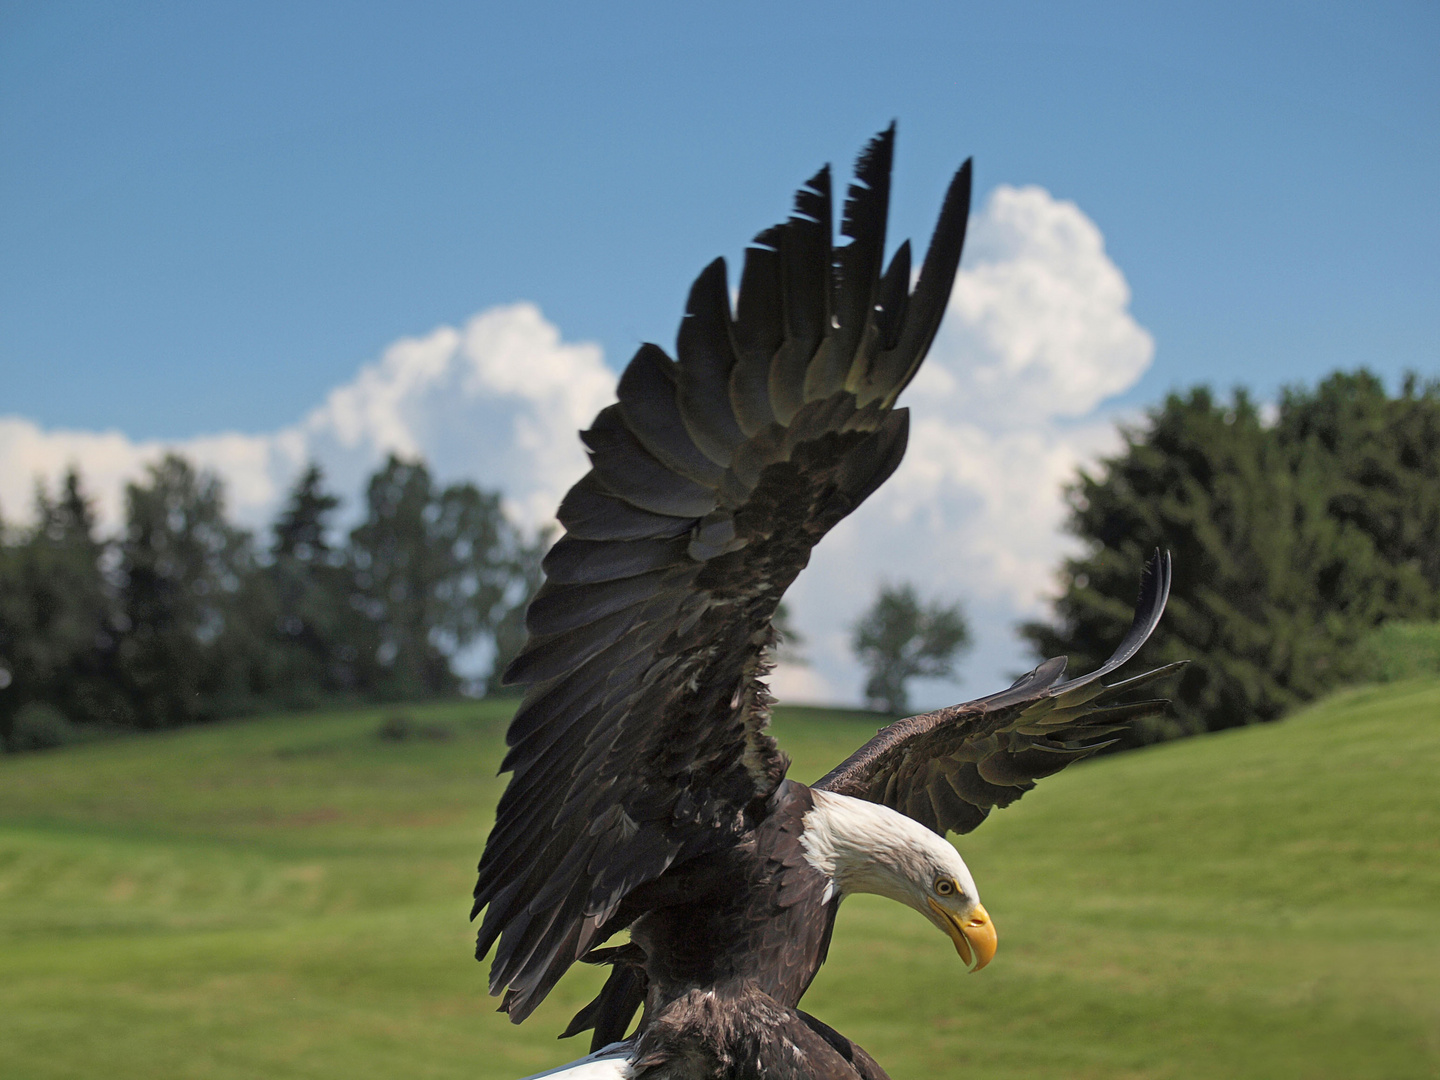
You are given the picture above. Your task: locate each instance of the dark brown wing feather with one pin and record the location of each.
(948, 769)
(641, 738)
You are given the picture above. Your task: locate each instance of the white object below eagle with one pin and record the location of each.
(646, 795)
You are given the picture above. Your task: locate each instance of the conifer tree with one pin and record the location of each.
(310, 589)
(57, 616)
(185, 652)
(1291, 541)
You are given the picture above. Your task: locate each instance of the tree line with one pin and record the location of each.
(183, 617)
(1296, 532)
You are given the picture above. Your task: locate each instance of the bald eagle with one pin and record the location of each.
(646, 795)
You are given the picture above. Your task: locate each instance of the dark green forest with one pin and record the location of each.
(1302, 536)
(1295, 536)
(183, 618)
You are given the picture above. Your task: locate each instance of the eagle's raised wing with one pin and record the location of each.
(640, 741)
(948, 769)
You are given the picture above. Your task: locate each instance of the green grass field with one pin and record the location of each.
(288, 898)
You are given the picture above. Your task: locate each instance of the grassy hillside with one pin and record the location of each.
(288, 898)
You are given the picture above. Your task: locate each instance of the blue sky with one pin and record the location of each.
(213, 215)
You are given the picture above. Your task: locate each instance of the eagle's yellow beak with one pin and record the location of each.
(974, 934)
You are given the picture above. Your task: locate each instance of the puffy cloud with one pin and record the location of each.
(255, 467)
(497, 401)
(1038, 325)
(1037, 336)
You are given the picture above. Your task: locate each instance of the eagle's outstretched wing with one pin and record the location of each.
(948, 769)
(640, 741)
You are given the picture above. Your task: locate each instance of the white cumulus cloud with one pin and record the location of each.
(1038, 334)
(1008, 405)
(1038, 322)
(498, 401)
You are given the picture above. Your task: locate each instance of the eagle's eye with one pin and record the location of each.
(944, 886)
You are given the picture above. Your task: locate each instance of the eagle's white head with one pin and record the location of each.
(865, 847)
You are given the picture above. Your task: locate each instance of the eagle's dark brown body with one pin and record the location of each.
(743, 936)
(755, 915)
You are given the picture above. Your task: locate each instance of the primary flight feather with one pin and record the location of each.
(646, 794)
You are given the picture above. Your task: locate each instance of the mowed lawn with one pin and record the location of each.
(289, 897)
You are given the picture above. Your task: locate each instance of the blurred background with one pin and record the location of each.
(301, 307)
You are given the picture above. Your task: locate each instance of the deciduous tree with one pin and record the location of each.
(434, 570)
(900, 639)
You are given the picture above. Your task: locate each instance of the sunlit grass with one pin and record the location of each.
(288, 898)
